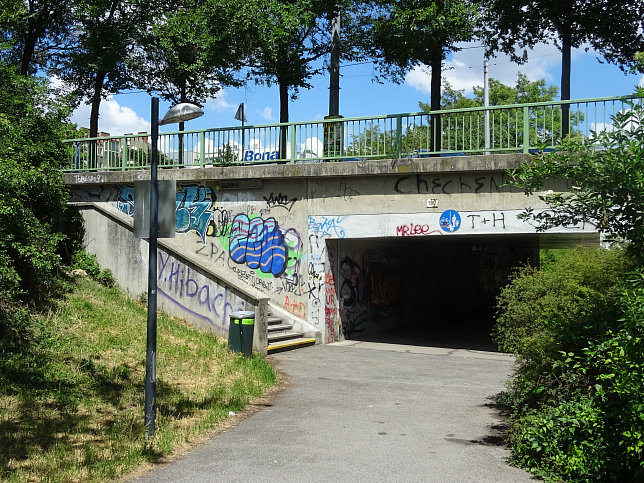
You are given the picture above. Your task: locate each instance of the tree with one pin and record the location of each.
(191, 53)
(612, 28)
(32, 198)
(469, 128)
(96, 65)
(407, 33)
(606, 175)
(292, 39)
(34, 30)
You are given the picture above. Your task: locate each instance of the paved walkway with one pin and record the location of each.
(361, 411)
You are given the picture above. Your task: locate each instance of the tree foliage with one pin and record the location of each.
(612, 28)
(32, 198)
(34, 31)
(606, 175)
(408, 33)
(192, 51)
(105, 34)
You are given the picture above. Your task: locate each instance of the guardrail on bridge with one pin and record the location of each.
(512, 128)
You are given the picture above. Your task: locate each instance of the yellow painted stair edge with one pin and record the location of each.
(291, 344)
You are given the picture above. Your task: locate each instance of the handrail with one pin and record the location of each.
(513, 128)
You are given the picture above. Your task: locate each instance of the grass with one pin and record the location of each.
(71, 407)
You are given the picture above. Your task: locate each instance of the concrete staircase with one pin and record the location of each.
(282, 335)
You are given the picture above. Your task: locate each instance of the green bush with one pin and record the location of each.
(576, 403)
(88, 262)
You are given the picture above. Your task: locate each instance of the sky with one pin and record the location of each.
(360, 96)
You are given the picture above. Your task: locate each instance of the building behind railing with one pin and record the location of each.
(481, 130)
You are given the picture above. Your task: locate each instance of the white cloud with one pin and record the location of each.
(465, 69)
(113, 118)
(267, 114)
(219, 103)
(641, 82)
(312, 148)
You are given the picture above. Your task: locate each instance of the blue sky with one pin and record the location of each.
(360, 96)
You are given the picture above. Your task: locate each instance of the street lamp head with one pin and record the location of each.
(181, 112)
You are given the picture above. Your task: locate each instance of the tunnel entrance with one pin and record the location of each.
(432, 291)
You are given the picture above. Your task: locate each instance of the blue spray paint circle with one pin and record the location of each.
(450, 221)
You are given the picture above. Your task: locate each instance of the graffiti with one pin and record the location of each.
(216, 254)
(89, 178)
(413, 229)
(331, 316)
(280, 201)
(259, 244)
(384, 289)
(326, 226)
(296, 308)
(347, 191)
(220, 223)
(447, 186)
(194, 212)
(352, 289)
(251, 278)
(369, 290)
(185, 288)
(125, 201)
(330, 311)
(482, 219)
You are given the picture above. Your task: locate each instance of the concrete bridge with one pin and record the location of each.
(327, 251)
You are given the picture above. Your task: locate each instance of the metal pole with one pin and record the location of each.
(334, 66)
(486, 103)
(151, 347)
(241, 106)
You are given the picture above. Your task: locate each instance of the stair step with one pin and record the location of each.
(290, 344)
(274, 320)
(284, 335)
(278, 327)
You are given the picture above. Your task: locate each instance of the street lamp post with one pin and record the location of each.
(179, 113)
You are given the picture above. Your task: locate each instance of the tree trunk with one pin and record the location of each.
(283, 118)
(182, 126)
(566, 48)
(31, 37)
(27, 55)
(93, 117)
(436, 65)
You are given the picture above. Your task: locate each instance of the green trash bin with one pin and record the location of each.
(240, 332)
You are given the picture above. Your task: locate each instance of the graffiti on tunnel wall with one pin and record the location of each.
(238, 233)
(259, 244)
(195, 295)
(370, 289)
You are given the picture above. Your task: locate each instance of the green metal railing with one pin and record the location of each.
(514, 128)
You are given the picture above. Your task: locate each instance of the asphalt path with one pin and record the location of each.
(363, 411)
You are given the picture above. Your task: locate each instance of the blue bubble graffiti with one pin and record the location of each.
(259, 244)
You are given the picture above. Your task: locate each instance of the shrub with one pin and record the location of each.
(89, 263)
(577, 401)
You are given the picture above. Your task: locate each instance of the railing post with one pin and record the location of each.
(123, 153)
(202, 148)
(293, 144)
(526, 130)
(398, 152)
